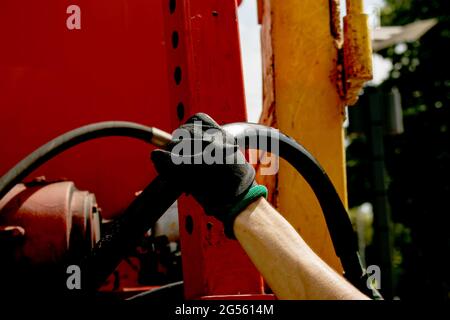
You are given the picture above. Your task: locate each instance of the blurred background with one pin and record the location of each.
(398, 143)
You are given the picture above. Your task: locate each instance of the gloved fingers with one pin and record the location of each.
(206, 120)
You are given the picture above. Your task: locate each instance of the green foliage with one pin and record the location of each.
(418, 161)
(422, 71)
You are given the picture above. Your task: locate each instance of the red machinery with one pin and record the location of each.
(153, 62)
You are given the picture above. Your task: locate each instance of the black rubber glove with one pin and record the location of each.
(208, 163)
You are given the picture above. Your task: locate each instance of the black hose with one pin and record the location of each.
(336, 216)
(75, 137)
(127, 230)
(159, 195)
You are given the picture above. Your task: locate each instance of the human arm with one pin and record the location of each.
(223, 183)
(287, 263)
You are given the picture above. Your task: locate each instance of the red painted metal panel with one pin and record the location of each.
(125, 64)
(208, 59)
(53, 79)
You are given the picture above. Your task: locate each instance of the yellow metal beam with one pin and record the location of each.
(308, 107)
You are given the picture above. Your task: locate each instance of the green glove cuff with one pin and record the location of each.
(254, 193)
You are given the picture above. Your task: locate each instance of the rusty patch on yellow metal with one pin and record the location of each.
(335, 22)
(357, 51)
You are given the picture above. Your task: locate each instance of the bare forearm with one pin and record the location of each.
(290, 267)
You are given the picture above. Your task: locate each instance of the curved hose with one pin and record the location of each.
(75, 137)
(336, 216)
(126, 231)
(341, 231)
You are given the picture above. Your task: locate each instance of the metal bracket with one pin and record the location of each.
(356, 52)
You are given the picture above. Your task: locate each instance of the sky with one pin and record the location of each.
(251, 53)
